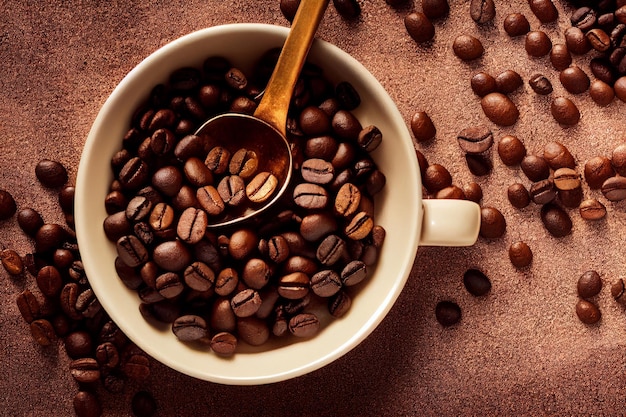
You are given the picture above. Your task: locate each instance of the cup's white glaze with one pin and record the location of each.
(400, 212)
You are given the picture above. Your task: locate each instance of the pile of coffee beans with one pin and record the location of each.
(263, 279)
(59, 306)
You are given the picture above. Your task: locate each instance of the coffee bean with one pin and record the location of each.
(189, 328)
(172, 256)
(516, 24)
(28, 219)
(422, 127)
(597, 170)
(143, 404)
(353, 273)
(331, 250)
(508, 81)
(360, 226)
(618, 290)
(310, 196)
(86, 404)
(131, 251)
(347, 200)
(473, 192)
(370, 138)
(78, 344)
(545, 10)
(479, 165)
(317, 171)
(511, 150)
(476, 282)
(598, 39)
(560, 56)
(85, 370)
(492, 224)
(520, 254)
(419, 27)
(199, 276)
(49, 237)
(483, 83)
(576, 41)
(256, 273)
(210, 200)
(293, 286)
(601, 93)
(348, 9)
(261, 187)
(436, 178)
(245, 303)
(192, 225)
(556, 220)
(452, 192)
(574, 79)
(614, 188)
(447, 313)
(435, 9)
(518, 195)
(304, 325)
(618, 159)
(339, 304)
(135, 365)
(11, 262)
(326, 283)
(7, 205)
(566, 179)
(535, 167)
(589, 284)
(49, 281)
(587, 312)
(499, 109)
(467, 47)
(540, 84)
(565, 111)
(475, 139)
(42, 331)
(51, 174)
(224, 343)
(253, 330)
(134, 174)
(558, 156)
(482, 11)
(620, 88)
(314, 121)
(583, 18)
(543, 192)
(537, 43)
(592, 209)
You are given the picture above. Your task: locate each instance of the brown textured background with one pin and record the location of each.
(518, 351)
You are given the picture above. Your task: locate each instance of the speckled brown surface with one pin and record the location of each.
(518, 351)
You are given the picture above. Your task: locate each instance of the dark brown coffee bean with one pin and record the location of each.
(537, 43)
(169, 285)
(620, 13)
(583, 18)
(199, 276)
(565, 111)
(28, 219)
(516, 24)
(370, 138)
(592, 209)
(576, 41)
(574, 79)
(482, 11)
(545, 10)
(78, 344)
(520, 254)
(244, 163)
(540, 84)
(253, 330)
(348, 9)
(131, 251)
(49, 237)
(304, 325)
(601, 93)
(492, 224)
(535, 167)
(543, 192)
(134, 174)
(85, 370)
(597, 170)
(618, 291)
(339, 304)
(51, 174)
(192, 225)
(618, 159)
(476, 282)
(483, 83)
(479, 165)
(556, 220)
(224, 343)
(256, 273)
(293, 286)
(107, 355)
(138, 208)
(326, 283)
(419, 27)
(143, 404)
(587, 312)
(422, 127)
(314, 121)
(508, 81)
(12, 262)
(558, 156)
(217, 160)
(436, 178)
(435, 9)
(86, 404)
(189, 328)
(42, 331)
(518, 195)
(172, 256)
(475, 139)
(347, 95)
(499, 109)
(511, 150)
(473, 192)
(589, 284)
(467, 47)
(447, 313)
(245, 303)
(560, 56)
(323, 147)
(135, 365)
(331, 250)
(614, 188)
(49, 281)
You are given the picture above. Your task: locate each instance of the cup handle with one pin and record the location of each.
(449, 222)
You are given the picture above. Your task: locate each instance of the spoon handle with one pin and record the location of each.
(277, 97)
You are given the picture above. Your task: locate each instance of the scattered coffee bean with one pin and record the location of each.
(598, 39)
(435, 9)
(618, 291)
(483, 83)
(589, 284)
(51, 174)
(467, 47)
(476, 282)
(535, 167)
(86, 404)
(618, 159)
(348, 9)
(511, 150)
(587, 312)
(419, 27)
(452, 192)
(620, 88)
(479, 165)
(518, 195)
(614, 188)
(482, 11)
(583, 18)
(12, 262)
(566, 179)
(543, 192)
(520, 254)
(556, 220)
(436, 178)
(601, 93)
(558, 156)
(597, 170)
(576, 41)
(508, 81)
(8, 206)
(29, 220)
(545, 10)
(537, 43)
(473, 192)
(560, 56)
(475, 139)
(447, 313)
(516, 24)
(574, 79)
(422, 127)
(493, 224)
(565, 111)
(499, 109)
(540, 84)
(592, 209)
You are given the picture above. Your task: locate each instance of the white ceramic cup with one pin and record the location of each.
(407, 219)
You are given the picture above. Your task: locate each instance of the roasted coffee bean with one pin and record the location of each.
(614, 188)
(556, 220)
(520, 254)
(49, 237)
(576, 41)
(326, 283)
(339, 304)
(447, 313)
(492, 224)
(78, 344)
(435, 9)
(592, 209)
(618, 159)
(331, 250)
(232, 190)
(11, 262)
(261, 187)
(168, 180)
(543, 192)
(244, 163)
(135, 366)
(598, 39)
(347, 95)
(587, 312)
(353, 273)
(28, 219)
(618, 291)
(347, 200)
(583, 18)
(419, 27)
(199, 276)
(49, 281)
(560, 56)
(511, 150)
(518, 195)
(574, 79)
(537, 43)
(589, 284)
(317, 171)
(558, 156)
(107, 355)
(172, 256)
(620, 88)
(131, 251)
(289, 8)
(508, 81)
(224, 343)
(256, 273)
(360, 226)
(221, 316)
(479, 165)
(310, 196)
(346, 126)
(192, 225)
(565, 111)
(217, 160)
(185, 79)
(452, 192)
(169, 285)
(516, 24)
(86, 404)
(242, 243)
(422, 127)
(29, 305)
(138, 208)
(143, 404)
(535, 167)
(116, 225)
(436, 177)
(499, 109)
(85, 370)
(42, 331)
(467, 47)
(476, 282)
(314, 121)
(66, 199)
(293, 286)
(210, 200)
(304, 325)
(323, 147)
(475, 139)
(597, 170)
(245, 303)
(134, 174)
(483, 83)
(348, 9)
(540, 84)
(482, 11)
(189, 328)
(253, 330)
(370, 138)
(278, 249)
(51, 174)
(545, 10)
(601, 93)
(566, 179)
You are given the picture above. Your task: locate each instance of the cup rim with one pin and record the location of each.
(85, 220)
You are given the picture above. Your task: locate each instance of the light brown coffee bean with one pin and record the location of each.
(592, 209)
(262, 187)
